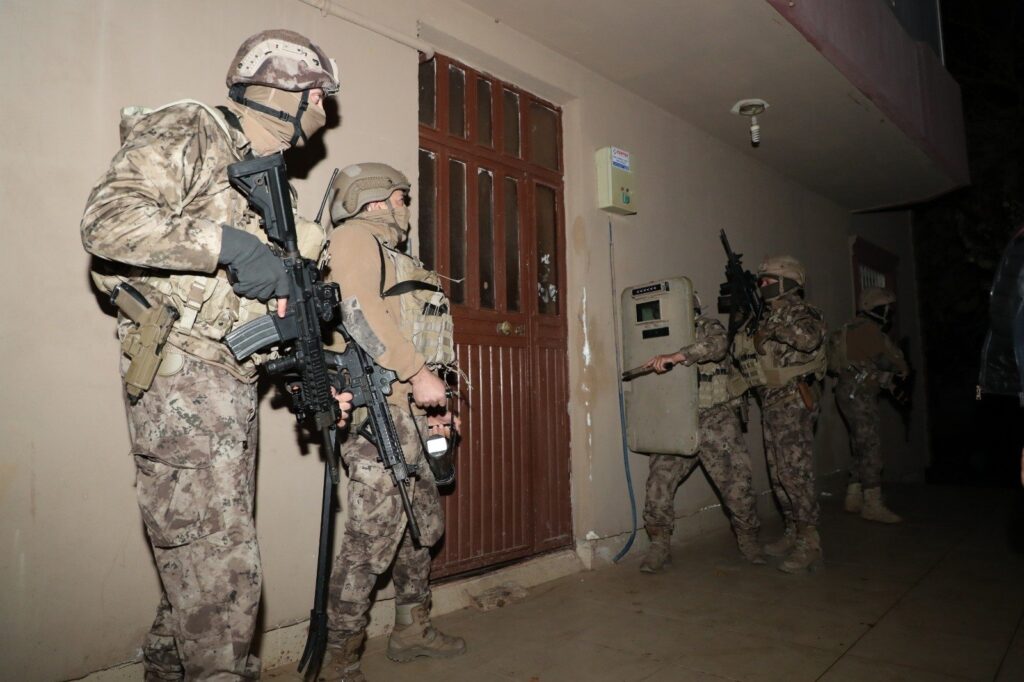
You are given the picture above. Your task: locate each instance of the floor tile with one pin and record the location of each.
(958, 655)
(856, 669)
(936, 598)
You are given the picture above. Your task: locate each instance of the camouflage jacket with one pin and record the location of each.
(155, 219)
(795, 332)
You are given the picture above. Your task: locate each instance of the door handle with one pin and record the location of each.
(506, 328)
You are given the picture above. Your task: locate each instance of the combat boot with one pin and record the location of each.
(341, 662)
(783, 545)
(750, 548)
(659, 554)
(854, 498)
(806, 554)
(414, 636)
(875, 510)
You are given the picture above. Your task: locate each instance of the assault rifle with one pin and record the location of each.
(311, 371)
(263, 181)
(738, 295)
(903, 390)
(356, 372)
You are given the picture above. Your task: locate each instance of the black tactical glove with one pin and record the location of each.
(256, 271)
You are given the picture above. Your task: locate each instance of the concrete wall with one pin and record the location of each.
(77, 585)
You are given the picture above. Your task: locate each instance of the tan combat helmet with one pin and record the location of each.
(363, 183)
(283, 59)
(877, 303)
(787, 270)
(874, 297)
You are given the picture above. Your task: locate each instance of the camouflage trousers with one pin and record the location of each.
(193, 437)
(860, 412)
(789, 446)
(726, 461)
(376, 531)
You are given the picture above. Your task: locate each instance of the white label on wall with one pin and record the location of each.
(620, 158)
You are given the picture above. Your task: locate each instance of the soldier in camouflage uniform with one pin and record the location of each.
(867, 362)
(723, 452)
(395, 310)
(784, 362)
(164, 219)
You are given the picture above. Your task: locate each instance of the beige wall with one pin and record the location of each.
(77, 585)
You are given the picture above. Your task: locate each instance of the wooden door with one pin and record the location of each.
(491, 222)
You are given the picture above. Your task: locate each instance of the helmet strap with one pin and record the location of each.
(237, 93)
(880, 314)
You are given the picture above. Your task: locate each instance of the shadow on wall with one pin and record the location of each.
(301, 161)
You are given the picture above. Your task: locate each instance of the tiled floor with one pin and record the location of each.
(939, 597)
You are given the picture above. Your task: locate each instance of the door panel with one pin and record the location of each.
(497, 225)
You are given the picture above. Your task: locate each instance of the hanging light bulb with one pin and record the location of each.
(751, 108)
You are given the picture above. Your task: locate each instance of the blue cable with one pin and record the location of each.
(622, 409)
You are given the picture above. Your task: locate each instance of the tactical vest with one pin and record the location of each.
(207, 306)
(426, 317)
(852, 351)
(712, 384)
(753, 370)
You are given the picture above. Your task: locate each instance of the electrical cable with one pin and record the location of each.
(622, 406)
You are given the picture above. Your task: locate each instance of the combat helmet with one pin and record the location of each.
(787, 270)
(282, 59)
(363, 183)
(876, 303)
(285, 60)
(874, 297)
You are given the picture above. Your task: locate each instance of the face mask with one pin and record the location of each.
(770, 291)
(313, 119)
(401, 217)
(277, 134)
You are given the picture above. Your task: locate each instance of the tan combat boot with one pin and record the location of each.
(750, 548)
(874, 508)
(659, 554)
(783, 545)
(854, 498)
(415, 636)
(806, 554)
(341, 662)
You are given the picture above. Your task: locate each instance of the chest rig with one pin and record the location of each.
(425, 311)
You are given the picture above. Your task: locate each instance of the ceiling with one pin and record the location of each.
(696, 58)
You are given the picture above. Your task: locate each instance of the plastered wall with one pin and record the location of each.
(77, 585)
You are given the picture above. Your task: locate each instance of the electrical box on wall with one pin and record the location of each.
(616, 181)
